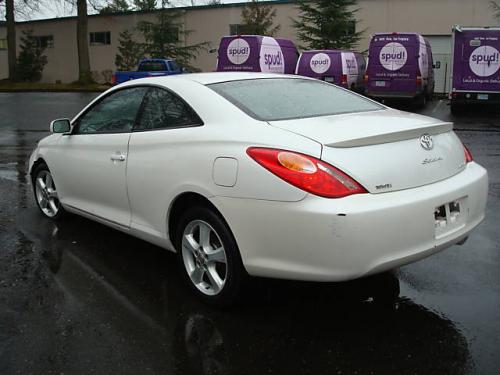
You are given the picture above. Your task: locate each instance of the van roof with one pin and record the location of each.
(327, 51)
(282, 42)
(397, 33)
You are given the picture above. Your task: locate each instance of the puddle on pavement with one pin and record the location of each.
(9, 171)
(118, 303)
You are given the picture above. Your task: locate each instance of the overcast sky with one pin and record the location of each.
(61, 8)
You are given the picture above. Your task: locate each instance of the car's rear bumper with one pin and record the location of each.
(322, 239)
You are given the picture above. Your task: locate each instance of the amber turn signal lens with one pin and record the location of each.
(296, 162)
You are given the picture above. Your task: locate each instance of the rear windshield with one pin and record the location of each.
(271, 99)
(152, 66)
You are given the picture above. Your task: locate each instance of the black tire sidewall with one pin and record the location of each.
(235, 270)
(456, 109)
(39, 168)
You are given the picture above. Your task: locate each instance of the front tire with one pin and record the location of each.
(45, 193)
(209, 257)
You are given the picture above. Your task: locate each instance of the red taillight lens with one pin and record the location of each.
(366, 78)
(419, 81)
(468, 155)
(344, 79)
(306, 172)
(113, 79)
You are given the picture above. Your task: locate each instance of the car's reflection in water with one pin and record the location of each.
(120, 307)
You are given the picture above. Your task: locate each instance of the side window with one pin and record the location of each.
(114, 114)
(163, 109)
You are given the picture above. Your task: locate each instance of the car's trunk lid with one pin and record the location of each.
(382, 150)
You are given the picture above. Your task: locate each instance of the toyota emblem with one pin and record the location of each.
(426, 142)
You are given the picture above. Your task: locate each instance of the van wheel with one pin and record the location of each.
(209, 257)
(456, 109)
(429, 95)
(420, 101)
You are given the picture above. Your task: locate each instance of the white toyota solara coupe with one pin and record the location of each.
(264, 175)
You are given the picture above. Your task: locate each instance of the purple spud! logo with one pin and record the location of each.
(271, 57)
(320, 63)
(393, 56)
(484, 61)
(238, 51)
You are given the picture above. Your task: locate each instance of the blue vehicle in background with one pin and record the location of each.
(149, 68)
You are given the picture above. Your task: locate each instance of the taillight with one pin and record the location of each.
(468, 155)
(113, 79)
(306, 172)
(344, 79)
(419, 81)
(366, 78)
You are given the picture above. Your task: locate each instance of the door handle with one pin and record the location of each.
(118, 157)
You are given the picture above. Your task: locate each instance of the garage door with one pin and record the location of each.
(441, 51)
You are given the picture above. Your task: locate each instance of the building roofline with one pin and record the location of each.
(131, 12)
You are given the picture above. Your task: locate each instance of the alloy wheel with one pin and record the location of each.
(204, 257)
(46, 194)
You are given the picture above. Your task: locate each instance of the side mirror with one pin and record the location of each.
(61, 125)
(437, 65)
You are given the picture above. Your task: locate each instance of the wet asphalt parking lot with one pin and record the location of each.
(79, 298)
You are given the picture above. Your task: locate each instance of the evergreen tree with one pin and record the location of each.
(164, 38)
(31, 60)
(145, 5)
(258, 18)
(129, 52)
(496, 9)
(115, 6)
(327, 24)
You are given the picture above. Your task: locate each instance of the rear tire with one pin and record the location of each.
(385, 289)
(45, 193)
(456, 109)
(421, 101)
(208, 257)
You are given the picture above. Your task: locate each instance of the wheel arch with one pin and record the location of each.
(180, 204)
(36, 163)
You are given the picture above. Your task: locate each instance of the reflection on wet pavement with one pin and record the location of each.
(106, 301)
(78, 297)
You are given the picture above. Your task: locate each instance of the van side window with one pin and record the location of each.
(164, 109)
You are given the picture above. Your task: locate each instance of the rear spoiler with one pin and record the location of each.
(402, 135)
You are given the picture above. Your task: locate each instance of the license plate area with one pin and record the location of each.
(482, 96)
(450, 217)
(379, 83)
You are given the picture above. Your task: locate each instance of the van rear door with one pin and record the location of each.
(393, 65)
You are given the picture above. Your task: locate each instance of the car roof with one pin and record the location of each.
(206, 78)
(216, 77)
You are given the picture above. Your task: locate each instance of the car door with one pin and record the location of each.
(90, 169)
(160, 148)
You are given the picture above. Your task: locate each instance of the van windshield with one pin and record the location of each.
(271, 99)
